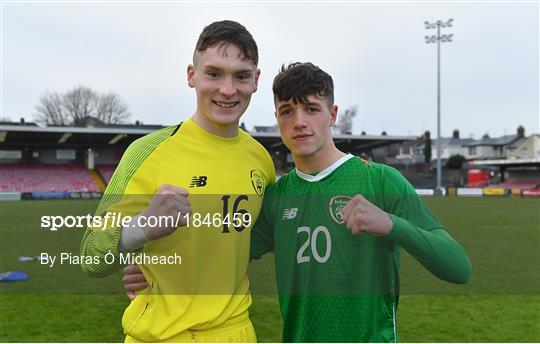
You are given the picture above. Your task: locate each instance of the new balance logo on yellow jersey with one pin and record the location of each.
(198, 181)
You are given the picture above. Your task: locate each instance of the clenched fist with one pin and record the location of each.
(166, 205)
(166, 212)
(361, 216)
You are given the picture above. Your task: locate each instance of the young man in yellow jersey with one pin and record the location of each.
(206, 175)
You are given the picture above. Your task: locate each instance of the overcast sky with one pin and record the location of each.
(375, 52)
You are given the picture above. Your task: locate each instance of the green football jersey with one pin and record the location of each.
(335, 286)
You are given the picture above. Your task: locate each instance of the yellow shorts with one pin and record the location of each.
(238, 333)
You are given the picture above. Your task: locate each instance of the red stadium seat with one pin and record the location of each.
(46, 178)
(523, 185)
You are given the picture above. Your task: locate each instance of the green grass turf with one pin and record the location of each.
(501, 304)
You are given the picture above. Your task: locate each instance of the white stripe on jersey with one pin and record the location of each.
(325, 172)
(394, 320)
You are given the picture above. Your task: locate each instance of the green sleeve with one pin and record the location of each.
(421, 234)
(262, 234)
(97, 242)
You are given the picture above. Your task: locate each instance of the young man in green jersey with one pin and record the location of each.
(204, 166)
(336, 224)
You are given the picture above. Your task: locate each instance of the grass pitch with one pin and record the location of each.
(501, 304)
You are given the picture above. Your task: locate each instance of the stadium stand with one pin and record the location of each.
(45, 178)
(106, 172)
(522, 185)
(423, 180)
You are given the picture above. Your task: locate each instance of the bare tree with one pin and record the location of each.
(111, 109)
(50, 110)
(80, 104)
(344, 125)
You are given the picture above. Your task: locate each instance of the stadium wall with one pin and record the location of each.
(522, 174)
(52, 156)
(107, 156)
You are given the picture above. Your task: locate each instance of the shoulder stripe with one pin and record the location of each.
(176, 129)
(133, 158)
(365, 161)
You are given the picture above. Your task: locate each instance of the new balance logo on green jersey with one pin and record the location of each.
(289, 214)
(198, 181)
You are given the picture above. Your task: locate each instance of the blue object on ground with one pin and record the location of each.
(13, 276)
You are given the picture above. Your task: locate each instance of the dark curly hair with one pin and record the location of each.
(227, 32)
(299, 80)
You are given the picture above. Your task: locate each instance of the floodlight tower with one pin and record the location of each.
(438, 38)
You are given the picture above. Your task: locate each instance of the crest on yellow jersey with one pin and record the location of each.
(257, 181)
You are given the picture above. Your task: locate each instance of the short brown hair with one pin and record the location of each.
(299, 80)
(227, 32)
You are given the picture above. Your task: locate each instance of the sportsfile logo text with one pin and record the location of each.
(109, 220)
(53, 222)
(116, 220)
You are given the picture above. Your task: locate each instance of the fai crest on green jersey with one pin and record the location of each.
(336, 204)
(257, 182)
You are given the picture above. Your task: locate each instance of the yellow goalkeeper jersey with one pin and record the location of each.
(209, 288)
